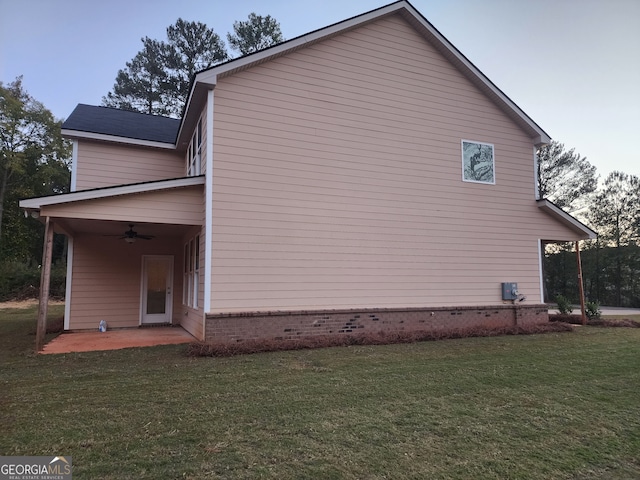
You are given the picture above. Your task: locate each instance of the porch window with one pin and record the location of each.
(191, 272)
(185, 276)
(196, 270)
(194, 152)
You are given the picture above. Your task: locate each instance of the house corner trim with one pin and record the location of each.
(208, 205)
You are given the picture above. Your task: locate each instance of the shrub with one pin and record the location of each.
(204, 349)
(564, 307)
(19, 281)
(592, 310)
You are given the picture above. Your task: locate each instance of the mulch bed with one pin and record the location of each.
(204, 349)
(596, 322)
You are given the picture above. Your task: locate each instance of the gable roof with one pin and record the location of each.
(207, 79)
(104, 123)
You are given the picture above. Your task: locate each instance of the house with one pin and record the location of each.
(365, 176)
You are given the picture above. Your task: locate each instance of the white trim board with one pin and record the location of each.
(113, 138)
(36, 203)
(208, 234)
(69, 281)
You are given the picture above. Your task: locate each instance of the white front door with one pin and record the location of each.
(157, 292)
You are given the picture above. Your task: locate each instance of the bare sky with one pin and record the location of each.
(572, 65)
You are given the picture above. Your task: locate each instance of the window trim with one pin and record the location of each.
(191, 273)
(194, 152)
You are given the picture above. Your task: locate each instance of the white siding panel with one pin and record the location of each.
(337, 182)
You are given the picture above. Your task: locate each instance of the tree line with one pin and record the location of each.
(611, 263)
(35, 161)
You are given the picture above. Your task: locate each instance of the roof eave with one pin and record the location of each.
(207, 79)
(473, 73)
(76, 134)
(34, 204)
(573, 223)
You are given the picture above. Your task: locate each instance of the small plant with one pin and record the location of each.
(593, 310)
(564, 307)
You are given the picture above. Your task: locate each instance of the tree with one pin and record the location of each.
(564, 177)
(615, 214)
(34, 161)
(255, 34)
(144, 85)
(193, 47)
(156, 81)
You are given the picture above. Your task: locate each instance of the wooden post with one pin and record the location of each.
(580, 285)
(45, 280)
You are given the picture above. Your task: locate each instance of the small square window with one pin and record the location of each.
(478, 162)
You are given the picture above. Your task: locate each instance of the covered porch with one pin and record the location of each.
(130, 255)
(582, 231)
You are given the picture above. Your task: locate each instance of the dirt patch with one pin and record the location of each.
(26, 303)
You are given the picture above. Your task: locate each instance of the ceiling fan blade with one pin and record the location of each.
(145, 237)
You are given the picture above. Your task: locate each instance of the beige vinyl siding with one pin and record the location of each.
(102, 164)
(107, 280)
(181, 206)
(338, 182)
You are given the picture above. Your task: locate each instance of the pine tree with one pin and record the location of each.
(255, 34)
(564, 177)
(156, 81)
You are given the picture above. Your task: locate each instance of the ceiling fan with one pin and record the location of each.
(131, 235)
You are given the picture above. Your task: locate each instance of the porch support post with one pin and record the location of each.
(580, 285)
(45, 280)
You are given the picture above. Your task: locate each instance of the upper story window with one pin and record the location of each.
(194, 152)
(478, 162)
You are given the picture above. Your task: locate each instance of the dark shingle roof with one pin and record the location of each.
(121, 123)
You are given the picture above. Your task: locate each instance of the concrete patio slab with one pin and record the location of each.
(116, 339)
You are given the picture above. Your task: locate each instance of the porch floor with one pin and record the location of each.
(116, 339)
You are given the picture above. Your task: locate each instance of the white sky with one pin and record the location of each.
(571, 65)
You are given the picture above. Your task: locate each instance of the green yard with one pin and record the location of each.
(563, 405)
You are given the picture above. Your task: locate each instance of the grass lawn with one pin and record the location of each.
(543, 406)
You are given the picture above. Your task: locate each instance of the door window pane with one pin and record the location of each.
(156, 286)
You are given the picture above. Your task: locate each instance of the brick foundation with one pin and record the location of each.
(236, 327)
